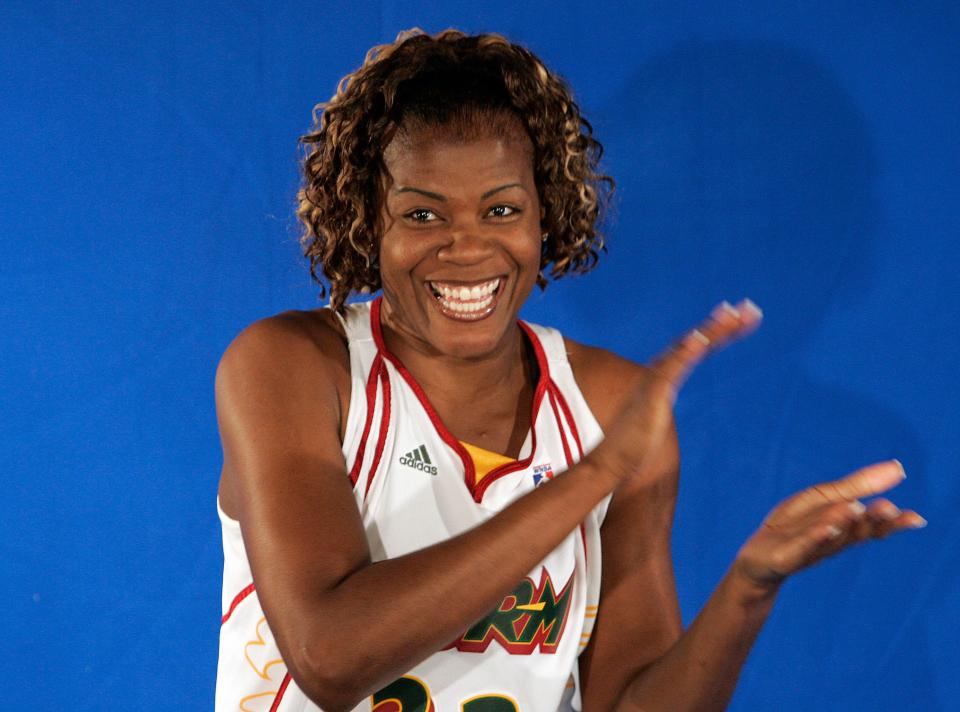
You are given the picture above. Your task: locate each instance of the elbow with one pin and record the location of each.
(327, 676)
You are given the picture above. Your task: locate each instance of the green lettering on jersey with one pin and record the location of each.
(530, 616)
(489, 703)
(408, 694)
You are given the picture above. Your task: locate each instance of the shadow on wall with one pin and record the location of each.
(741, 168)
(746, 169)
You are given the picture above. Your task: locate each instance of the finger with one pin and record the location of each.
(829, 531)
(675, 364)
(842, 521)
(728, 322)
(910, 520)
(884, 518)
(878, 521)
(864, 482)
(725, 323)
(750, 315)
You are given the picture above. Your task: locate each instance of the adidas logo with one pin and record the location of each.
(418, 459)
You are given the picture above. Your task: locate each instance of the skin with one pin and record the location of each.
(464, 212)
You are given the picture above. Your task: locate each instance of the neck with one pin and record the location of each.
(464, 380)
(484, 400)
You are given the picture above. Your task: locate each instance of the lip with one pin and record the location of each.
(464, 316)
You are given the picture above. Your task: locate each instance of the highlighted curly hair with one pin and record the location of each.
(446, 79)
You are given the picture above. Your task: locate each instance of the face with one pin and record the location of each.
(461, 247)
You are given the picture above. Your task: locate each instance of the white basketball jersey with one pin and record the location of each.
(415, 485)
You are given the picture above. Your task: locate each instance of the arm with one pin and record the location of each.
(699, 673)
(667, 668)
(279, 406)
(698, 670)
(639, 611)
(279, 414)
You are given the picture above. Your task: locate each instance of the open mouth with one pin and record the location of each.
(466, 302)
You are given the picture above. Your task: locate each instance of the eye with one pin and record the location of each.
(421, 215)
(503, 211)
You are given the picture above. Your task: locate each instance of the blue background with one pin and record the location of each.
(801, 153)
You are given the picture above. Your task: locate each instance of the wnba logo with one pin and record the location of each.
(418, 459)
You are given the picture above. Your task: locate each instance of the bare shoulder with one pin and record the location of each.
(287, 375)
(609, 384)
(293, 350)
(605, 378)
(291, 339)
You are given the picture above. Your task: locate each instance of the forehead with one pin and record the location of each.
(443, 158)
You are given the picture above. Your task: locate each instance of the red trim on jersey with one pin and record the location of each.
(236, 602)
(469, 472)
(583, 536)
(283, 688)
(479, 488)
(570, 421)
(368, 421)
(543, 387)
(563, 432)
(384, 425)
(554, 395)
(557, 397)
(538, 637)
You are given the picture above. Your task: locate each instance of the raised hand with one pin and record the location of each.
(644, 422)
(822, 520)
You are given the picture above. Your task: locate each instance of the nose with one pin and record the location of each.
(465, 246)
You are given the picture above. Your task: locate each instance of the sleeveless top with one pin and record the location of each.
(415, 485)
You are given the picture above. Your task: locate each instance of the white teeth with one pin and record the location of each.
(465, 294)
(470, 307)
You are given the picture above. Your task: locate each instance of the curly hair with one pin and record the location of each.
(441, 80)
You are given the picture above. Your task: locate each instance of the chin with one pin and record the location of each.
(471, 343)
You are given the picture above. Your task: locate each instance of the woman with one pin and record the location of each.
(418, 492)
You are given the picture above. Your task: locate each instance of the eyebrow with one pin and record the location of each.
(442, 199)
(498, 189)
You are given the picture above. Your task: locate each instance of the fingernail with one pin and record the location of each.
(729, 308)
(749, 306)
(919, 523)
(833, 532)
(857, 507)
(903, 472)
(700, 336)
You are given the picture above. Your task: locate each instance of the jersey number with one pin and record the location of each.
(408, 694)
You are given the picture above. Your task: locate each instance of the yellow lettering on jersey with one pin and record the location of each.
(531, 618)
(531, 606)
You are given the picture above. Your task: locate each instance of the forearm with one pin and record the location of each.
(388, 616)
(699, 673)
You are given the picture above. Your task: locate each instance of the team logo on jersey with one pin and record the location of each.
(531, 617)
(542, 473)
(418, 459)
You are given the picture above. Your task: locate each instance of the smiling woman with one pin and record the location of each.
(470, 87)
(418, 491)
(461, 245)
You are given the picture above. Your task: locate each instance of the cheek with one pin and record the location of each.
(530, 248)
(398, 258)
(394, 252)
(531, 258)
